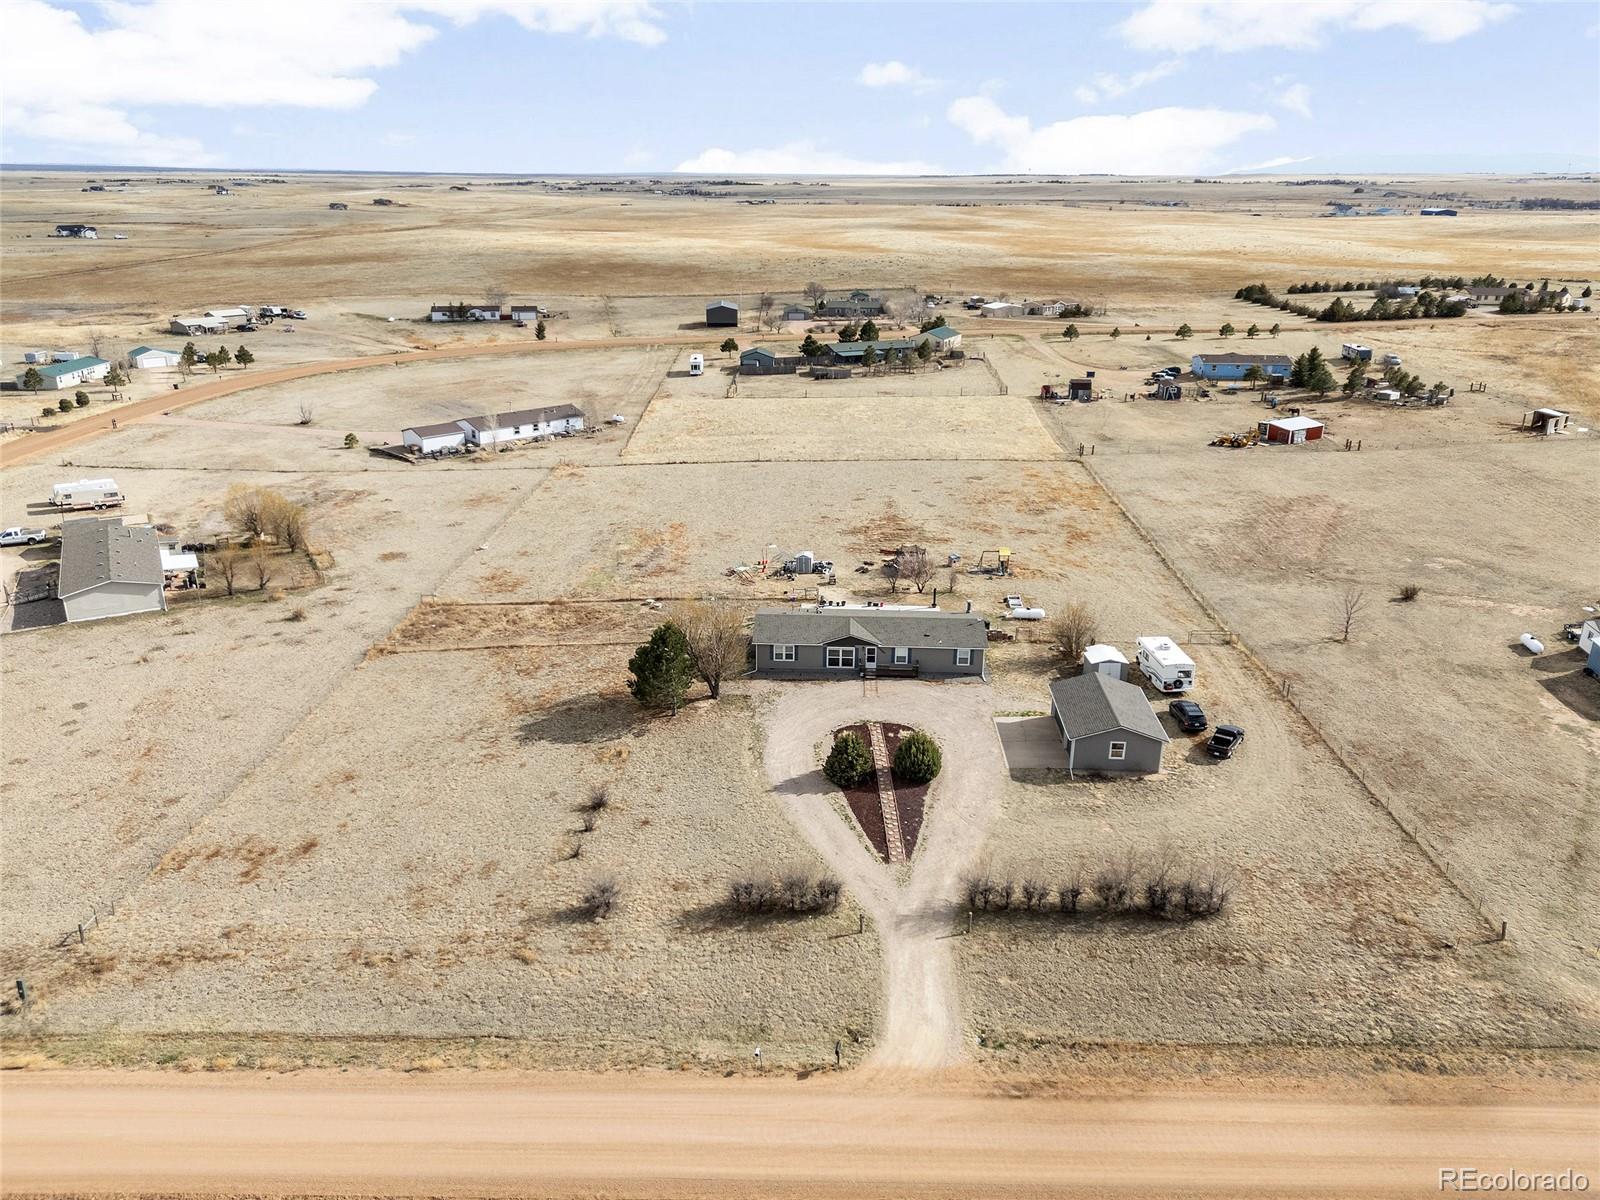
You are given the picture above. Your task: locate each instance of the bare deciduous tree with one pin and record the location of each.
(224, 564)
(816, 293)
(1074, 630)
(307, 413)
(716, 636)
(261, 566)
(1351, 604)
(912, 563)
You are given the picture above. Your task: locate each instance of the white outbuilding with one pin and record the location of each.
(526, 424)
(429, 439)
(1105, 660)
(144, 358)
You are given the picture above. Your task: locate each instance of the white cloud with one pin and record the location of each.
(1106, 86)
(894, 73)
(1155, 142)
(1296, 98)
(288, 53)
(1270, 165)
(1180, 26)
(796, 158)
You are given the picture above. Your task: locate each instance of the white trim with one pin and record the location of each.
(783, 653)
(902, 655)
(1118, 751)
(964, 657)
(846, 656)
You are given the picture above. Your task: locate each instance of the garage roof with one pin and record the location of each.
(1095, 703)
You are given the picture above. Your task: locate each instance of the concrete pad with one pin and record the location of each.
(1031, 743)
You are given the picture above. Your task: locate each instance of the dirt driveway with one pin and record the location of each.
(913, 907)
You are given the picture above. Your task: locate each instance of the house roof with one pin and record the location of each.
(854, 349)
(527, 416)
(1093, 703)
(771, 352)
(68, 367)
(100, 550)
(439, 430)
(927, 627)
(1245, 360)
(1101, 653)
(1293, 423)
(724, 304)
(943, 332)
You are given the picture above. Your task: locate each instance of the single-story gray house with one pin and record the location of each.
(838, 641)
(1107, 725)
(772, 360)
(722, 313)
(855, 305)
(109, 569)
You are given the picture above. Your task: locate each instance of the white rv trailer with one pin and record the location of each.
(86, 493)
(1164, 665)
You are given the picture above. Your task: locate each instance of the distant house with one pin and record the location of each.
(834, 641)
(144, 358)
(522, 425)
(797, 312)
(464, 312)
(855, 306)
(76, 231)
(1290, 431)
(722, 313)
(1234, 366)
(192, 326)
(776, 360)
(427, 439)
(109, 569)
(523, 312)
(236, 312)
(1439, 212)
(73, 373)
(339, 206)
(1022, 308)
(222, 190)
(944, 338)
(1107, 725)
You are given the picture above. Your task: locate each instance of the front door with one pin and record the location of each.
(869, 658)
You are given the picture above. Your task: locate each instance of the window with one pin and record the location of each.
(1119, 750)
(841, 658)
(783, 654)
(963, 658)
(902, 655)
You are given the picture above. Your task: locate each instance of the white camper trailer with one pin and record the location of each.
(86, 493)
(1164, 665)
(1354, 352)
(697, 364)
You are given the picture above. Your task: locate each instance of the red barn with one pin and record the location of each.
(1291, 431)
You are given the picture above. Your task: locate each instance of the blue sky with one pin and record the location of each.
(530, 86)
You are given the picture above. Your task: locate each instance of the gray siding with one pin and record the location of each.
(114, 600)
(811, 662)
(1093, 753)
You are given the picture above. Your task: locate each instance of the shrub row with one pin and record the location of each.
(1159, 891)
(792, 892)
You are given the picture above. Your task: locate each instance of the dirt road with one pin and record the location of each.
(670, 1137)
(35, 445)
(922, 1012)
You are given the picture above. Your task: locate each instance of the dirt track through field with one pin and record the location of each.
(665, 1137)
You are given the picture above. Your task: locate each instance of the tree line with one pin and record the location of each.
(1425, 304)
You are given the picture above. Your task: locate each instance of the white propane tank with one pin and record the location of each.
(1532, 644)
(1026, 614)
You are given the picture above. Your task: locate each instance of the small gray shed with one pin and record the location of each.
(1107, 725)
(722, 313)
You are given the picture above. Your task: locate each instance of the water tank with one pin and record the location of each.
(1532, 644)
(803, 562)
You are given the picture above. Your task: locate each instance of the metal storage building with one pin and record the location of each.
(722, 313)
(1290, 431)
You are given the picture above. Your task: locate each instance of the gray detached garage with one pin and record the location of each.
(1107, 725)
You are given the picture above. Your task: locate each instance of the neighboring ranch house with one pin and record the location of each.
(772, 360)
(144, 358)
(191, 326)
(853, 307)
(783, 360)
(797, 312)
(1107, 725)
(109, 569)
(522, 425)
(428, 439)
(338, 206)
(1234, 366)
(1022, 308)
(524, 312)
(73, 373)
(835, 641)
(722, 313)
(235, 313)
(464, 312)
(1290, 431)
(77, 231)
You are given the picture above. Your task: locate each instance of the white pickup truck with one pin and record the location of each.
(19, 536)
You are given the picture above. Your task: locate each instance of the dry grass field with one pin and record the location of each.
(354, 812)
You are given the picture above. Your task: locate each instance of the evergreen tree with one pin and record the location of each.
(925, 350)
(1275, 329)
(223, 356)
(1184, 332)
(1253, 331)
(189, 356)
(849, 762)
(729, 346)
(1070, 333)
(1318, 377)
(869, 331)
(116, 378)
(662, 669)
(1253, 375)
(538, 331)
(811, 348)
(1227, 330)
(869, 356)
(1115, 334)
(31, 379)
(849, 334)
(1354, 381)
(81, 398)
(243, 357)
